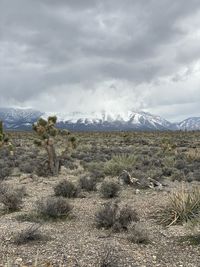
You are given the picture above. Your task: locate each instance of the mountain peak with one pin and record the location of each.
(15, 118)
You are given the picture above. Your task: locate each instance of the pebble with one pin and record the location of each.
(18, 261)
(137, 191)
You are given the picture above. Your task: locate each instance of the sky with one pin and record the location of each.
(95, 55)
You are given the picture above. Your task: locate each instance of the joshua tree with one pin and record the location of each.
(47, 132)
(2, 135)
(4, 140)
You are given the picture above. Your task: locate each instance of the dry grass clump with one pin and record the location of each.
(31, 233)
(193, 154)
(137, 234)
(54, 208)
(118, 163)
(193, 240)
(66, 189)
(27, 167)
(88, 183)
(111, 216)
(5, 171)
(11, 197)
(183, 206)
(109, 259)
(109, 189)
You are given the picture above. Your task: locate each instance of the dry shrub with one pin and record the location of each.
(88, 183)
(11, 197)
(193, 154)
(54, 207)
(31, 233)
(111, 216)
(109, 258)
(67, 189)
(109, 189)
(126, 216)
(5, 171)
(137, 234)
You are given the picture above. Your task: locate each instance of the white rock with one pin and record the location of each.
(18, 261)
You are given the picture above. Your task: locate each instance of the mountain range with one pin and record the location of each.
(22, 119)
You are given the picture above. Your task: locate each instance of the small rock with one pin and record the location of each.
(137, 191)
(18, 261)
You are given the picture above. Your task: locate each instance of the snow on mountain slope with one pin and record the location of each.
(190, 124)
(19, 118)
(99, 121)
(93, 117)
(130, 120)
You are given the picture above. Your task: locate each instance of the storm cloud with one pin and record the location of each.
(87, 55)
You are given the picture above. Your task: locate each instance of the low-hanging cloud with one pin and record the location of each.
(94, 55)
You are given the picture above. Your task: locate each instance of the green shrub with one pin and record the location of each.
(118, 163)
(96, 169)
(109, 189)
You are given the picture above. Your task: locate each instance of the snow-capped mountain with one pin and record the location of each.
(15, 118)
(102, 121)
(190, 124)
(23, 119)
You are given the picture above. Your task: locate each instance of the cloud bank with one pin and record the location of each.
(92, 55)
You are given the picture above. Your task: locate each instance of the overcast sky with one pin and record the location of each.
(92, 55)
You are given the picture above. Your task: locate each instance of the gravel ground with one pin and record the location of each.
(77, 242)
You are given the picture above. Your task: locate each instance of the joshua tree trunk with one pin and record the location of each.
(52, 158)
(1, 127)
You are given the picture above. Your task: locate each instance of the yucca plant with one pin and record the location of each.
(183, 206)
(118, 163)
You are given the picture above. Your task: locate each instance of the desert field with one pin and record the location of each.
(127, 199)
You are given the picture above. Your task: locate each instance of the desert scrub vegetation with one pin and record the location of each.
(11, 198)
(193, 240)
(94, 151)
(108, 258)
(29, 234)
(112, 216)
(54, 208)
(138, 234)
(66, 189)
(183, 206)
(47, 132)
(5, 171)
(118, 163)
(88, 183)
(109, 189)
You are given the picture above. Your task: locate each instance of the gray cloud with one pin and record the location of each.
(69, 55)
